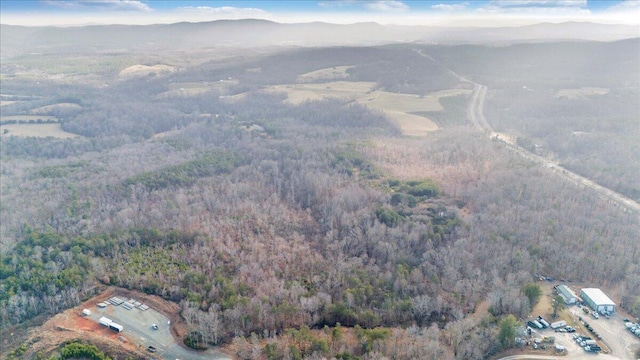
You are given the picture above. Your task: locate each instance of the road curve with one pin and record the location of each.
(475, 114)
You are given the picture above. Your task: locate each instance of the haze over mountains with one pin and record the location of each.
(18, 40)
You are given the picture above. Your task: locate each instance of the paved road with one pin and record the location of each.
(475, 114)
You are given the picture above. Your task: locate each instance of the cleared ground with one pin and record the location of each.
(144, 70)
(195, 88)
(35, 130)
(52, 107)
(401, 108)
(135, 338)
(299, 93)
(580, 93)
(332, 73)
(28, 118)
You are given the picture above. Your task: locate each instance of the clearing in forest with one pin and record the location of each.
(35, 130)
(402, 108)
(299, 93)
(580, 93)
(144, 70)
(28, 118)
(195, 88)
(332, 73)
(52, 107)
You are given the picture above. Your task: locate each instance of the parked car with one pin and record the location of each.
(570, 329)
(154, 326)
(151, 349)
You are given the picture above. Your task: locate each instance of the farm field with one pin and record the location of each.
(332, 73)
(399, 107)
(580, 93)
(195, 88)
(28, 118)
(299, 93)
(144, 70)
(59, 106)
(35, 130)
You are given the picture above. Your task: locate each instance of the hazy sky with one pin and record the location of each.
(402, 12)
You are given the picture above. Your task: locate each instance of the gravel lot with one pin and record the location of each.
(138, 330)
(613, 333)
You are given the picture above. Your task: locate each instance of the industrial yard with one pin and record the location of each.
(122, 326)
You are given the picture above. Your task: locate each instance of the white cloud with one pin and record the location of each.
(544, 10)
(451, 7)
(537, 3)
(373, 5)
(112, 5)
(223, 11)
(337, 3)
(386, 5)
(625, 5)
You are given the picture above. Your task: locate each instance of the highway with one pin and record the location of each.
(475, 114)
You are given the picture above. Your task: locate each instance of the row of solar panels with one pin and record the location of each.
(130, 304)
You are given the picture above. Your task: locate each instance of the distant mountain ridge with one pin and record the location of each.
(16, 40)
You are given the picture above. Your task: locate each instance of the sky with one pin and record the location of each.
(387, 12)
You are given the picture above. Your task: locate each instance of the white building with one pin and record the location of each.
(597, 300)
(567, 294)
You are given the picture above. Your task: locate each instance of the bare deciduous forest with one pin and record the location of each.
(267, 220)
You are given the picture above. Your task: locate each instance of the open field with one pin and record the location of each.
(35, 130)
(399, 107)
(580, 93)
(195, 88)
(28, 118)
(144, 70)
(406, 103)
(299, 93)
(52, 107)
(412, 125)
(332, 73)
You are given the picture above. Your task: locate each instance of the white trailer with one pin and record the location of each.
(105, 321)
(116, 327)
(558, 324)
(543, 322)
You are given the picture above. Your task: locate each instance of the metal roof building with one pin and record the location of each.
(597, 300)
(567, 294)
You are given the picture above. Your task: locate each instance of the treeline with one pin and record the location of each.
(396, 69)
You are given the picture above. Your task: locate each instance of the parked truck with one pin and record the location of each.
(543, 322)
(535, 324)
(558, 324)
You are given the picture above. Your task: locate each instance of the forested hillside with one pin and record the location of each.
(577, 102)
(264, 219)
